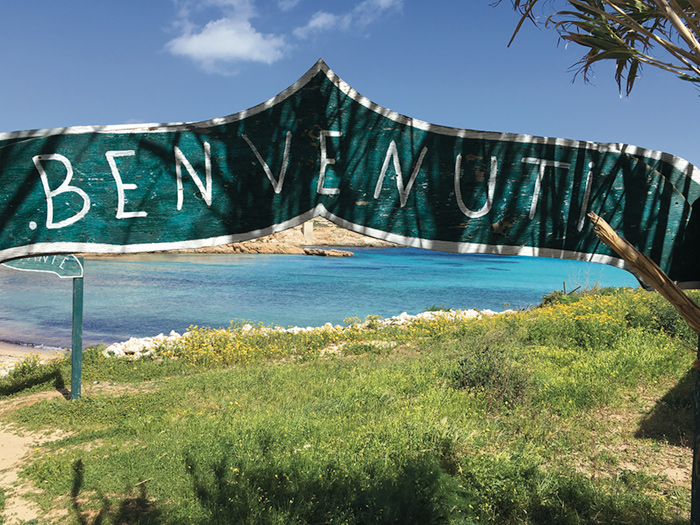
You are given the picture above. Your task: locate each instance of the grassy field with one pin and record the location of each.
(576, 411)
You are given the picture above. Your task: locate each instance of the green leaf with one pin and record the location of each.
(593, 42)
(689, 78)
(616, 54)
(631, 75)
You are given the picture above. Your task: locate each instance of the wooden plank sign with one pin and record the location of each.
(322, 149)
(65, 266)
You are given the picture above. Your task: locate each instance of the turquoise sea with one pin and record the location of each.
(144, 295)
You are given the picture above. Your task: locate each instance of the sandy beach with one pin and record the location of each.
(10, 353)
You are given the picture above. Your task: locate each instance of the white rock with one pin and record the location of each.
(138, 347)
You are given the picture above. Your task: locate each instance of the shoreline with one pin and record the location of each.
(11, 353)
(8, 344)
(317, 237)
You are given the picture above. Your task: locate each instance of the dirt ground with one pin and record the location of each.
(15, 445)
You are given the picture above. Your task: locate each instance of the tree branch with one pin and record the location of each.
(690, 60)
(649, 271)
(688, 20)
(626, 21)
(678, 24)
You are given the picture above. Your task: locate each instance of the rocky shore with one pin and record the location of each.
(136, 348)
(319, 237)
(314, 237)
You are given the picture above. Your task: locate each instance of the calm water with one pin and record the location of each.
(145, 295)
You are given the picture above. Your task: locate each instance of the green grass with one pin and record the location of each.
(543, 416)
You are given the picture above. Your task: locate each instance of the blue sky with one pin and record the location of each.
(87, 62)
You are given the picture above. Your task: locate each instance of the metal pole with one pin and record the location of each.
(77, 343)
(695, 475)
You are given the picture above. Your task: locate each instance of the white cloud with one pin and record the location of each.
(362, 15)
(227, 41)
(320, 21)
(368, 11)
(220, 42)
(287, 5)
(224, 42)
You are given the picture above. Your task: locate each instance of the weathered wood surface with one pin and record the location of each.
(65, 266)
(321, 149)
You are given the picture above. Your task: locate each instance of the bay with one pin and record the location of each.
(144, 295)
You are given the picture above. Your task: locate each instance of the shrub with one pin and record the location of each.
(436, 308)
(31, 374)
(492, 370)
(27, 369)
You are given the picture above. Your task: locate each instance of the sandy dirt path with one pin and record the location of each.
(13, 448)
(15, 445)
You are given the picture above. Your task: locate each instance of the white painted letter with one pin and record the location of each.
(586, 197)
(276, 184)
(325, 161)
(540, 174)
(121, 187)
(489, 195)
(393, 153)
(65, 187)
(205, 191)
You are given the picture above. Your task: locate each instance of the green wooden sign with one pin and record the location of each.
(321, 148)
(65, 266)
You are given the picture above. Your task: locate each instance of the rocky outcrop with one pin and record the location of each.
(325, 233)
(251, 247)
(304, 239)
(327, 253)
(314, 237)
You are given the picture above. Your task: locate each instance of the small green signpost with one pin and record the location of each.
(77, 338)
(65, 267)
